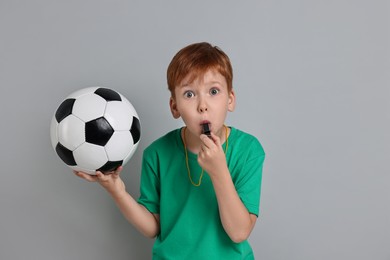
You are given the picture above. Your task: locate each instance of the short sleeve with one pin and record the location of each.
(248, 184)
(150, 183)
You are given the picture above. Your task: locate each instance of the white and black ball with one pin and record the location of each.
(95, 129)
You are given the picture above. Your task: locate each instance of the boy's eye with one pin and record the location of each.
(214, 91)
(188, 94)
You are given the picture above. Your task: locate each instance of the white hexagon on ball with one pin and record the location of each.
(71, 132)
(89, 107)
(83, 156)
(119, 115)
(117, 147)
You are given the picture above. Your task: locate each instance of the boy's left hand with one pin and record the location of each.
(212, 156)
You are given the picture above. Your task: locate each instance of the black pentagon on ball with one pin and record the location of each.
(110, 166)
(135, 130)
(108, 94)
(98, 131)
(65, 154)
(65, 109)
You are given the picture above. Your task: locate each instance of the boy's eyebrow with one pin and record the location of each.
(184, 85)
(215, 81)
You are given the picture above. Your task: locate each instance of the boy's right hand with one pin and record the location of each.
(110, 181)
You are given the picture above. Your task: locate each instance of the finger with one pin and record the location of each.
(216, 139)
(118, 170)
(100, 176)
(85, 176)
(116, 173)
(80, 174)
(206, 141)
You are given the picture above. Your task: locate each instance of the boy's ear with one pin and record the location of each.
(232, 101)
(173, 106)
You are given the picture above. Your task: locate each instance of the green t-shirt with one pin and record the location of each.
(190, 225)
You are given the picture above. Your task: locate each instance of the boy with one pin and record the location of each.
(200, 184)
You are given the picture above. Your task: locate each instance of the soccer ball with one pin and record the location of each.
(95, 129)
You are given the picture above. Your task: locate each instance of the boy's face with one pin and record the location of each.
(205, 100)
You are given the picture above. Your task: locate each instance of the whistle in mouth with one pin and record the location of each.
(206, 129)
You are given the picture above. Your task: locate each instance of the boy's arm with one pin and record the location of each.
(147, 223)
(236, 219)
(143, 220)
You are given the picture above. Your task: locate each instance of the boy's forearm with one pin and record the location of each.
(143, 220)
(236, 220)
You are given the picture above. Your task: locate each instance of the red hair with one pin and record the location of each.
(194, 61)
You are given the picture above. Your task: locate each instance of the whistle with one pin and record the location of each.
(206, 129)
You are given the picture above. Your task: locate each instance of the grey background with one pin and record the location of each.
(312, 82)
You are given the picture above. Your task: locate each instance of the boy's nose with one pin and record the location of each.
(202, 109)
(202, 106)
